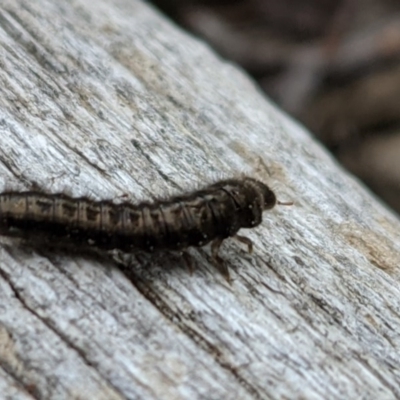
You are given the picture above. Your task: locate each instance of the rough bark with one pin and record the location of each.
(106, 99)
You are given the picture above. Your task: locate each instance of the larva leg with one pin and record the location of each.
(189, 261)
(246, 241)
(218, 261)
(124, 260)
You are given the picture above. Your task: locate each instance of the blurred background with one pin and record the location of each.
(333, 64)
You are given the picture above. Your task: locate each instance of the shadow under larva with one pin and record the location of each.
(211, 214)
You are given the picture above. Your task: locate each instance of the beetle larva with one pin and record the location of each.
(208, 215)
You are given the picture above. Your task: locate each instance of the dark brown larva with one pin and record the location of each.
(194, 219)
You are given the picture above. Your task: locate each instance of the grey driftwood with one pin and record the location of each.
(107, 99)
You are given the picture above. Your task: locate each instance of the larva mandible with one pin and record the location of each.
(211, 214)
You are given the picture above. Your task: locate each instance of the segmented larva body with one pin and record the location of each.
(194, 219)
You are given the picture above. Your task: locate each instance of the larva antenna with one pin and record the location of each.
(285, 203)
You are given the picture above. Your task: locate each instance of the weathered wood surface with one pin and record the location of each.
(107, 98)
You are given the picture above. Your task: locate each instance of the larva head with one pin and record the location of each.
(268, 196)
(253, 197)
(262, 198)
